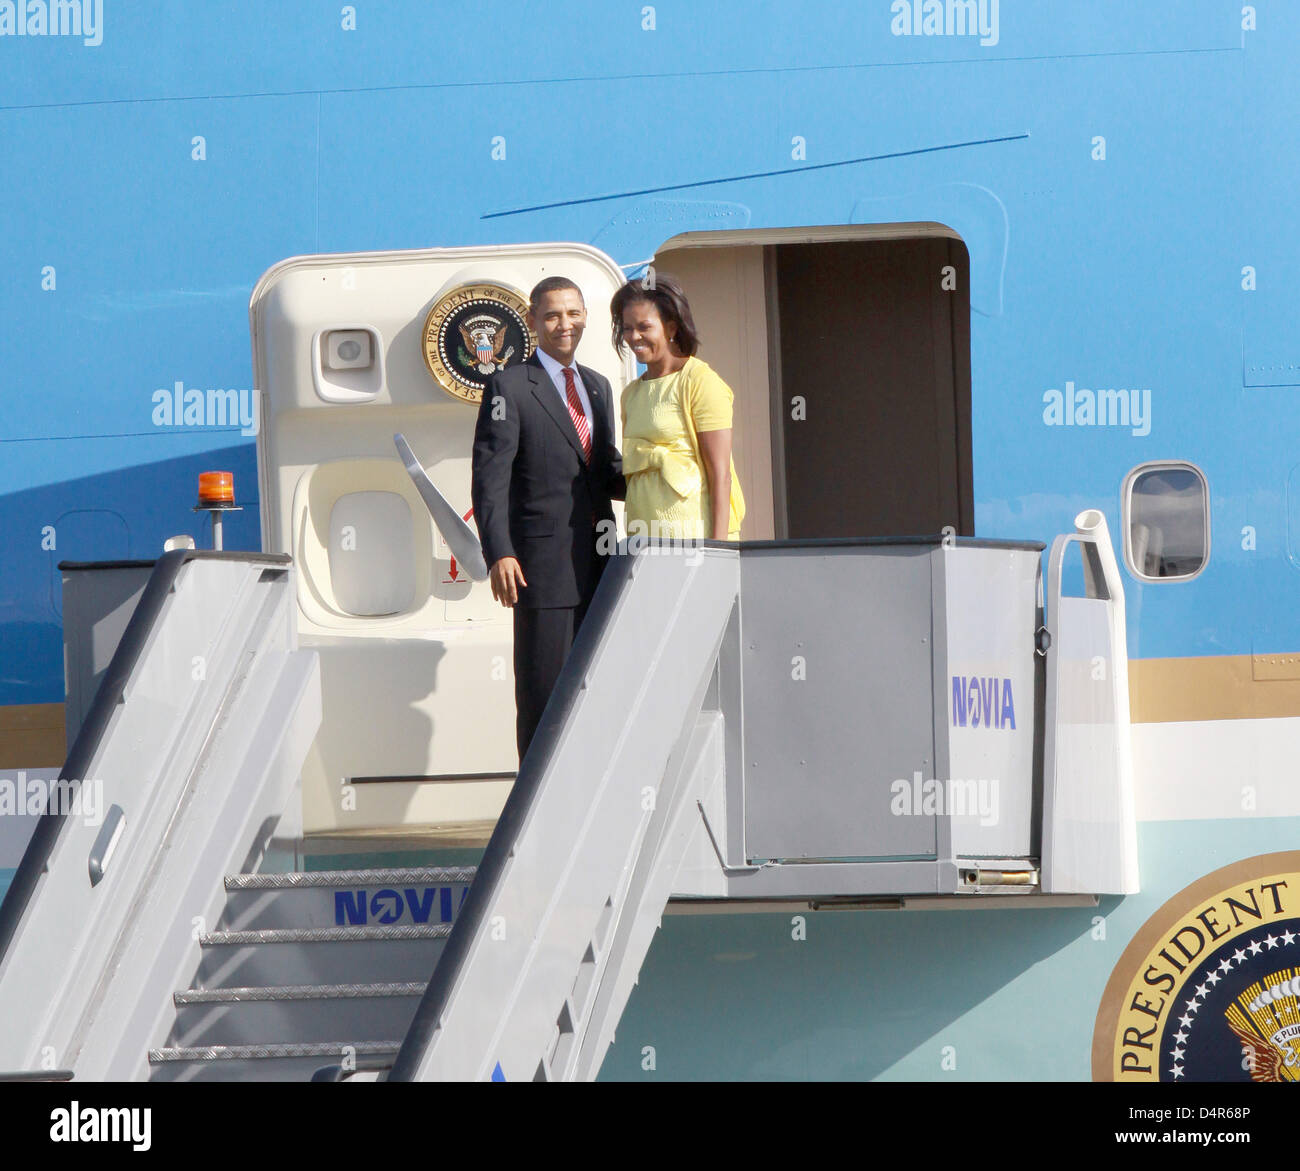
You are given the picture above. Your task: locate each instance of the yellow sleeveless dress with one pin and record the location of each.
(667, 485)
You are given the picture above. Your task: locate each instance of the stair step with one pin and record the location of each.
(295, 956)
(325, 934)
(297, 992)
(268, 1062)
(346, 898)
(273, 1051)
(304, 1013)
(391, 876)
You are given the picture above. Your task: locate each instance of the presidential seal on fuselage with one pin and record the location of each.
(1208, 989)
(473, 332)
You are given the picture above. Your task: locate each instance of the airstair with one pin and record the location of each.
(311, 969)
(182, 768)
(735, 723)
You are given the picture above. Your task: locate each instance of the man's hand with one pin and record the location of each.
(507, 576)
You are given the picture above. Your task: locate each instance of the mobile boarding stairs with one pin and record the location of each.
(764, 725)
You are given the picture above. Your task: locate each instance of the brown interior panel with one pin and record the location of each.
(879, 351)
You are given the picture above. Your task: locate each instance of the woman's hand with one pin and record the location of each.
(715, 450)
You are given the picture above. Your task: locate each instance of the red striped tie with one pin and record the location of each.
(576, 413)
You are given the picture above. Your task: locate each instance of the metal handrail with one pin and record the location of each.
(107, 698)
(1103, 583)
(524, 793)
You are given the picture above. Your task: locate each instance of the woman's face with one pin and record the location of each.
(645, 333)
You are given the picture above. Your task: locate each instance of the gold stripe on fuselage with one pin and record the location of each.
(32, 735)
(1215, 687)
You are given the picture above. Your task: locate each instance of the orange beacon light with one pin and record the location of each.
(216, 495)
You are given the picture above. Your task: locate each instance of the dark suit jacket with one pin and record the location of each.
(534, 495)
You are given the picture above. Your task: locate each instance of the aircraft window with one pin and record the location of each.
(1166, 522)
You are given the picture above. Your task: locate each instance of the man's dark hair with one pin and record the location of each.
(550, 284)
(664, 292)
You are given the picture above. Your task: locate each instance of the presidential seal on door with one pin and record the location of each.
(473, 332)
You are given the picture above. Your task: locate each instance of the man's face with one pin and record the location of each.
(558, 321)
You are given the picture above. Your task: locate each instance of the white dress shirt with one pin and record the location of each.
(556, 371)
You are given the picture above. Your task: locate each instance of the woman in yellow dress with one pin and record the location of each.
(681, 480)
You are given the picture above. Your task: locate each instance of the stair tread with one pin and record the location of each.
(298, 880)
(297, 992)
(284, 1049)
(326, 934)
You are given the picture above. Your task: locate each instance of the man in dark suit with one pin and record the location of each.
(545, 470)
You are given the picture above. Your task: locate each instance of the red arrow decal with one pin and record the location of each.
(455, 576)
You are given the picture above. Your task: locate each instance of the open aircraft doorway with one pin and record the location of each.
(848, 349)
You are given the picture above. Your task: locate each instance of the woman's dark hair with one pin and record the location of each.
(664, 292)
